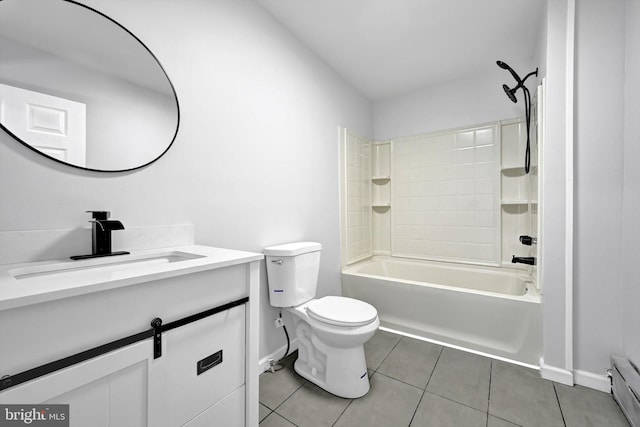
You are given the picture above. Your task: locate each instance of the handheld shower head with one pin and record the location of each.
(515, 75)
(510, 93)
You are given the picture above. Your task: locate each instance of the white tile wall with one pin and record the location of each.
(457, 196)
(515, 183)
(518, 191)
(515, 222)
(445, 194)
(358, 176)
(381, 197)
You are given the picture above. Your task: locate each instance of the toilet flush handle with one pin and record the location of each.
(277, 261)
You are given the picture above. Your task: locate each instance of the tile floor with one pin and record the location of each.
(415, 383)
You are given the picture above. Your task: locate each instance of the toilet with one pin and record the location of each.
(331, 330)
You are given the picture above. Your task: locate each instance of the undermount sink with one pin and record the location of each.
(124, 264)
(41, 281)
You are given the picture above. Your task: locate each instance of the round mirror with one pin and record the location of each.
(81, 89)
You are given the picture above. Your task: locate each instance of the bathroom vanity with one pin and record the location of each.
(197, 367)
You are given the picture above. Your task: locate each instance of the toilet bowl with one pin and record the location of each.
(330, 349)
(331, 330)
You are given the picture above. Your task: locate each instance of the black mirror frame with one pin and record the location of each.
(175, 95)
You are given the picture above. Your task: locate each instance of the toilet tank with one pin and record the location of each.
(292, 272)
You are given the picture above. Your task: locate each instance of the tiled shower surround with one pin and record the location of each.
(444, 196)
(458, 195)
(358, 189)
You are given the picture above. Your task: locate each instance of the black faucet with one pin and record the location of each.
(523, 260)
(101, 235)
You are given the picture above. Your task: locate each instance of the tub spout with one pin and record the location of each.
(523, 260)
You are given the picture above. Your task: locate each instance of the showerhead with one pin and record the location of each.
(513, 73)
(510, 92)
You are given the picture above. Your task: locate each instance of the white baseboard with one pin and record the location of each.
(583, 378)
(559, 375)
(594, 381)
(263, 363)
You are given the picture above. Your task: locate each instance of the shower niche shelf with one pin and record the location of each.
(380, 179)
(512, 170)
(381, 193)
(381, 205)
(514, 202)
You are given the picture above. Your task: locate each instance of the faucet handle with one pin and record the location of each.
(99, 215)
(528, 240)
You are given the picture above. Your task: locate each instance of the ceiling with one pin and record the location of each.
(386, 48)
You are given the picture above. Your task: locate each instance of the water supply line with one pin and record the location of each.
(276, 365)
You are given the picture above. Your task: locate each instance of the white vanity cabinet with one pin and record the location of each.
(207, 374)
(179, 394)
(110, 390)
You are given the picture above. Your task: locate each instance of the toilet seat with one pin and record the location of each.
(342, 311)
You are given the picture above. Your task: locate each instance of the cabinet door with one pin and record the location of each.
(107, 391)
(229, 412)
(178, 390)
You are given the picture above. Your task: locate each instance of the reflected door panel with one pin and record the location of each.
(65, 49)
(54, 126)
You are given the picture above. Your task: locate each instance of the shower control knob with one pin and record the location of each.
(528, 240)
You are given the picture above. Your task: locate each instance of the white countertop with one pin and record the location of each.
(37, 282)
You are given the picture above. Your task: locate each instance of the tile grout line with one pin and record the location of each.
(282, 403)
(342, 413)
(489, 394)
(284, 367)
(388, 354)
(405, 383)
(456, 402)
(426, 385)
(285, 418)
(559, 405)
(288, 397)
(270, 412)
(304, 381)
(375, 371)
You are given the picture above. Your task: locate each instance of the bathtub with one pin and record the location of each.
(487, 310)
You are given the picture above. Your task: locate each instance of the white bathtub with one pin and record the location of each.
(494, 311)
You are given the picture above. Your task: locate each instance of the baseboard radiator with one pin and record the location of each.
(625, 386)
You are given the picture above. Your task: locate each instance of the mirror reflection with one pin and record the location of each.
(79, 88)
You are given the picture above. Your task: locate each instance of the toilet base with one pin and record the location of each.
(340, 371)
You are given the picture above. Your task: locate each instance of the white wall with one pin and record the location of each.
(630, 252)
(474, 100)
(255, 162)
(599, 149)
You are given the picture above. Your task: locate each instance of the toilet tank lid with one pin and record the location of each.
(293, 249)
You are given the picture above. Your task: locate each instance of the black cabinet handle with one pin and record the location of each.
(209, 362)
